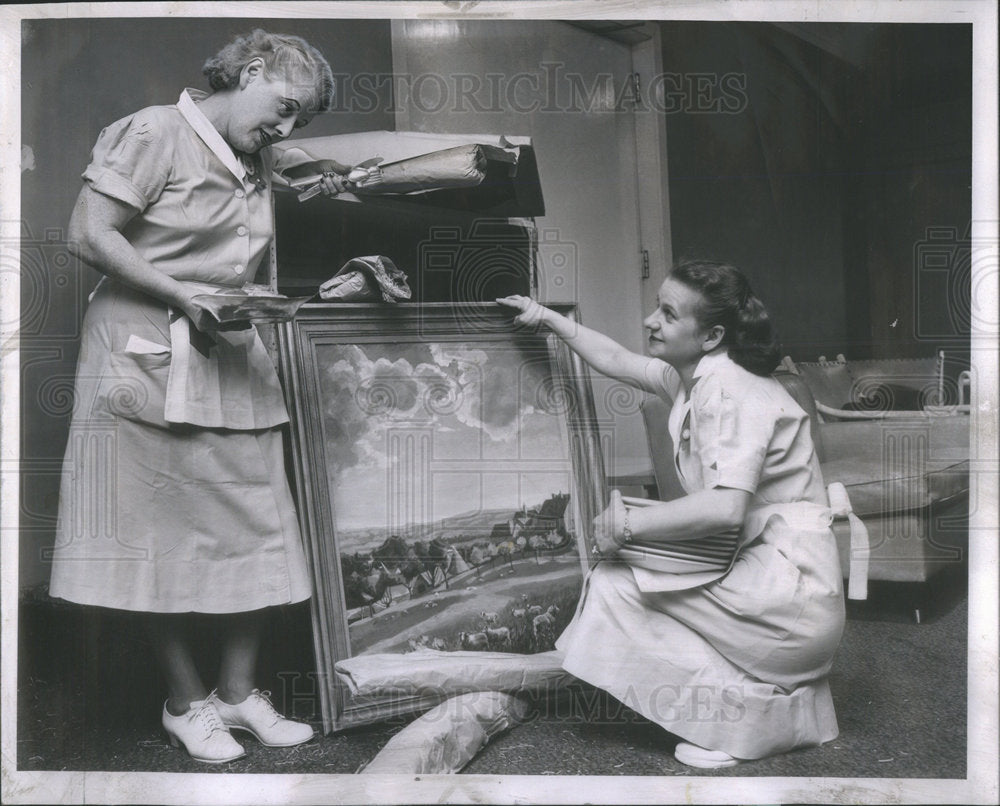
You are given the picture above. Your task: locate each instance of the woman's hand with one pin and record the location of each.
(205, 321)
(609, 527)
(333, 177)
(331, 183)
(530, 313)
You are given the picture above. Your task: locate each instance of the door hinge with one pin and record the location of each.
(645, 263)
(630, 93)
(629, 96)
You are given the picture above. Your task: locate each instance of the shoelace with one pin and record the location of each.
(264, 698)
(208, 717)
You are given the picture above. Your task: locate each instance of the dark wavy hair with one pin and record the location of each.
(728, 300)
(282, 54)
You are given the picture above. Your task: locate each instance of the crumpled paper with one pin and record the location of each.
(446, 738)
(366, 278)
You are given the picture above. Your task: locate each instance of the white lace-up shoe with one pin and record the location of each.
(202, 733)
(694, 756)
(256, 715)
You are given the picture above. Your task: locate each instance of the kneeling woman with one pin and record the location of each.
(735, 667)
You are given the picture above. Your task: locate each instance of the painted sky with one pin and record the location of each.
(425, 431)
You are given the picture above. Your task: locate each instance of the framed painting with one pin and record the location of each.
(448, 468)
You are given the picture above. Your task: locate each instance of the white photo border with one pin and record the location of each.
(981, 785)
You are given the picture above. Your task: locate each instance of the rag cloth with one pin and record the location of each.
(366, 278)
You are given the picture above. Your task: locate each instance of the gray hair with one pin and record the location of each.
(282, 54)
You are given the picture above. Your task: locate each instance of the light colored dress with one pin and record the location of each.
(739, 664)
(174, 496)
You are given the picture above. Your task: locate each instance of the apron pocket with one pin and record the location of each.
(135, 386)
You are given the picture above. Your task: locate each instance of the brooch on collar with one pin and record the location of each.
(254, 166)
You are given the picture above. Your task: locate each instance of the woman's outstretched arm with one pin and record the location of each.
(602, 353)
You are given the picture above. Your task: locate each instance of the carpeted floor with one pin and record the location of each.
(89, 699)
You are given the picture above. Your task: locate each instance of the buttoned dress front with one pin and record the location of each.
(174, 496)
(739, 664)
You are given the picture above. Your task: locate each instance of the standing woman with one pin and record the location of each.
(735, 667)
(174, 500)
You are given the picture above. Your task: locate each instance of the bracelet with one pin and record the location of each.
(626, 529)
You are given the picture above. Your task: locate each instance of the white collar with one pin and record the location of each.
(711, 362)
(207, 132)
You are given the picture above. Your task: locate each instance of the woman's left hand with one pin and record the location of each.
(333, 183)
(609, 526)
(205, 321)
(529, 312)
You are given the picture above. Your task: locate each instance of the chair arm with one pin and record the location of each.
(840, 506)
(964, 387)
(881, 414)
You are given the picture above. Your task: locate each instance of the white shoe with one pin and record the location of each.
(256, 715)
(694, 756)
(202, 733)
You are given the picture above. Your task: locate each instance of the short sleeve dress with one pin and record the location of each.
(739, 664)
(173, 495)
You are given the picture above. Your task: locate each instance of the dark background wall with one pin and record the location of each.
(910, 202)
(78, 76)
(848, 168)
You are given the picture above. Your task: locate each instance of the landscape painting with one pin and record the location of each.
(449, 469)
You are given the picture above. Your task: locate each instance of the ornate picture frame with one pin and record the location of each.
(448, 467)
